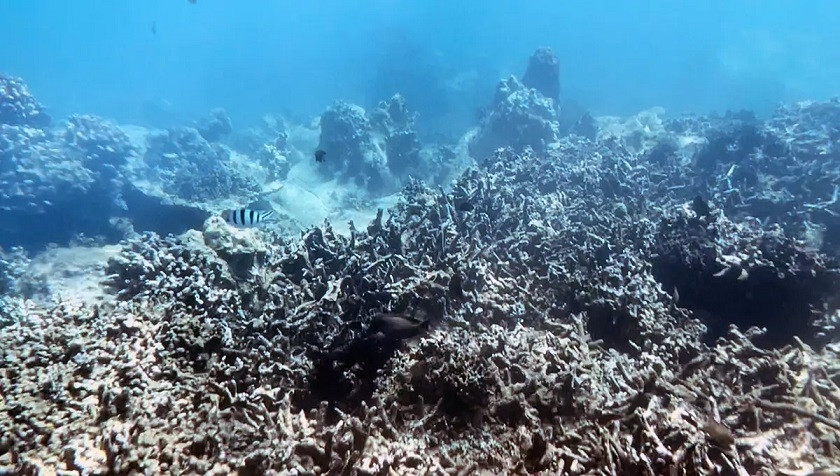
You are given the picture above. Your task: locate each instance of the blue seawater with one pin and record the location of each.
(161, 61)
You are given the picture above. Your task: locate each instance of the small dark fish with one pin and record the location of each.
(395, 326)
(246, 218)
(154, 28)
(465, 207)
(719, 434)
(700, 206)
(319, 155)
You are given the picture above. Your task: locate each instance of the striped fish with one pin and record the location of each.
(246, 217)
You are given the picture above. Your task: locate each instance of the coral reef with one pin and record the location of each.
(651, 295)
(565, 295)
(585, 126)
(85, 181)
(274, 158)
(101, 144)
(242, 250)
(34, 172)
(12, 266)
(16, 280)
(18, 107)
(775, 170)
(271, 130)
(184, 178)
(269, 144)
(527, 113)
(103, 149)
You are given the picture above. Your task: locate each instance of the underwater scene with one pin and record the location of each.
(419, 237)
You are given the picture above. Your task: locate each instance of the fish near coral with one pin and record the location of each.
(247, 218)
(700, 206)
(395, 326)
(719, 434)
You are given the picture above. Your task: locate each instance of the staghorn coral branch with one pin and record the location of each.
(791, 408)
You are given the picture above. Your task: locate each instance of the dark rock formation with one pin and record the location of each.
(543, 74)
(739, 274)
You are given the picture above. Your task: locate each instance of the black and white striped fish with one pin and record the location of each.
(246, 217)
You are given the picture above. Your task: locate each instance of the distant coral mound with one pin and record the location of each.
(189, 167)
(268, 144)
(377, 150)
(519, 117)
(543, 73)
(347, 137)
(18, 107)
(215, 126)
(395, 126)
(101, 144)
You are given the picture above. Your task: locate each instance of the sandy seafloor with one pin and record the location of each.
(660, 297)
